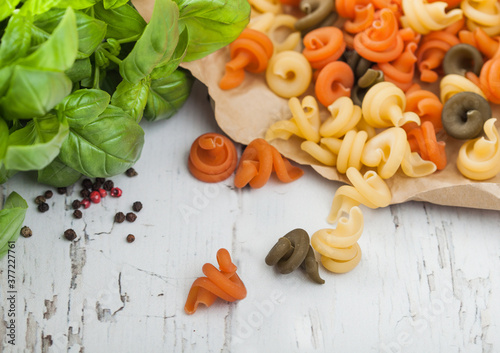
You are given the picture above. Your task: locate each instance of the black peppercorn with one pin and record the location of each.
(43, 207)
(62, 190)
(131, 217)
(76, 204)
(87, 183)
(119, 217)
(130, 238)
(85, 193)
(70, 234)
(77, 214)
(26, 232)
(108, 185)
(137, 206)
(131, 172)
(48, 194)
(96, 186)
(39, 199)
(100, 180)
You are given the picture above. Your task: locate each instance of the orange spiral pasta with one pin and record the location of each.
(426, 105)
(363, 18)
(423, 140)
(258, 161)
(335, 80)
(212, 158)
(401, 71)
(489, 79)
(381, 42)
(431, 52)
(347, 8)
(323, 45)
(479, 39)
(223, 283)
(251, 51)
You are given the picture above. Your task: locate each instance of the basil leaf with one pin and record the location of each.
(113, 4)
(36, 7)
(168, 94)
(103, 146)
(4, 136)
(175, 60)
(212, 24)
(122, 22)
(82, 105)
(80, 70)
(58, 174)
(7, 7)
(11, 220)
(132, 98)
(16, 40)
(77, 4)
(29, 95)
(34, 146)
(156, 44)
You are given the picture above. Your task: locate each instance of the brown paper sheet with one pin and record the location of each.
(246, 112)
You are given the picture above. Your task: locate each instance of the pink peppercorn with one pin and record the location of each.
(95, 197)
(102, 192)
(85, 203)
(116, 192)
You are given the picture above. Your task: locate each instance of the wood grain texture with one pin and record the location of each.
(428, 280)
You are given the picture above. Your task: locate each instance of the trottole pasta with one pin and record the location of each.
(484, 14)
(292, 40)
(424, 17)
(273, 6)
(344, 116)
(335, 80)
(318, 13)
(453, 84)
(288, 74)
(323, 45)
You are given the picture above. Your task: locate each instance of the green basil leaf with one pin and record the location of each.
(58, 174)
(103, 146)
(77, 4)
(36, 7)
(80, 70)
(83, 105)
(90, 31)
(4, 136)
(175, 60)
(59, 51)
(156, 44)
(132, 98)
(5, 76)
(34, 146)
(11, 220)
(33, 93)
(7, 7)
(212, 24)
(15, 41)
(113, 4)
(5, 174)
(168, 94)
(122, 22)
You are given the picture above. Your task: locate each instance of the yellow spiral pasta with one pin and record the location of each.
(368, 189)
(339, 250)
(452, 84)
(304, 123)
(484, 14)
(262, 23)
(273, 6)
(288, 74)
(479, 159)
(423, 17)
(386, 151)
(384, 105)
(280, 24)
(344, 116)
(414, 166)
(320, 152)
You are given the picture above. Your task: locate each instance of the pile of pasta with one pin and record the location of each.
(361, 59)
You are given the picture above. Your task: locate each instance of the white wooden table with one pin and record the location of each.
(429, 279)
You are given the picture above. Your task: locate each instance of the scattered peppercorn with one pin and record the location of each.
(131, 217)
(62, 190)
(131, 172)
(95, 197)
(119, 217)
(48, 194)
(43, 207)
(77, 214)
(102, 192)
(96, 186)
(26, 232)
(39, 199)
(85, 203)
(137, 206)
(108, 185)
(116, 192)
(87, 183)
(130, 238)
(85, 193)
(70, 234)
(100, 180)
(76, 204)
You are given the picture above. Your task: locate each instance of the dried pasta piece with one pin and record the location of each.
(381, 42)
(305, 121)
(251, 51)
(401, 70)
(292, 40)
(356, 62)
(363, 18)
(368, 189)
(479, 159)
(317, 14)
(320, 152)
(484, 14)
(422, 139)
(344, 116)
(335, 80)
(424, 17)
(262, 23)
(453, 84)
(481, 40)
(323, 46)
(385, 151)
(339, 248)
(462, 58)
(426, 105)
(414, 166)
(258, 161)
(212, 158)
(371, 77)
(288, 74)
(488, 80)
(273, 6)
(348, 151)
(223, 283)
(292, 251)
(347, 8)
(384, 106)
